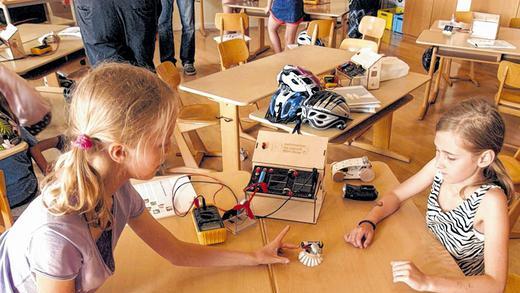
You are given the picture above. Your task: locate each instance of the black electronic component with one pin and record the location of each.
(207, 218)
(361, 192)
(279, 181)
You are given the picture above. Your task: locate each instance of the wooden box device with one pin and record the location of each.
(282, 151)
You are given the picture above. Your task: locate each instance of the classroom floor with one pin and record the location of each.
(410, 137)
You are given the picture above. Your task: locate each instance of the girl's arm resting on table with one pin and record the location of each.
(362, 235)
(50, 285)
(187, 254)
(496, 231)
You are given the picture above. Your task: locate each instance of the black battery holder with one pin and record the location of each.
(282, 181)
(207, 218)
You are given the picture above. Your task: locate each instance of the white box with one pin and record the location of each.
(485, 25)
(283, 150)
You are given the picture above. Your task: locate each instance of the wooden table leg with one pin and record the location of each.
(437, 85)
(426, 99)
(262, 47)
(202, 28)
(229, 132)
(382, 131)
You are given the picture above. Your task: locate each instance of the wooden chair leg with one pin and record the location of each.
(187, 156)
(472, 74)
(447, 74)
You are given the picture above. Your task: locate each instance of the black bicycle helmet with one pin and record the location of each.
(427, 59)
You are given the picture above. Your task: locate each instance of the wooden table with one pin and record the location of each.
(22, 146)
(30, 33)
(140, 269)
(6, 4)
(243, 85)
(345, 269)
(335, 9)
(457, 47)
(403, 236)
(393, 94)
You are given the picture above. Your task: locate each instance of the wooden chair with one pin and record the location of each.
(513, 283)
(190, 118)
(372, 27)
(226, 22)
(514, 22)
(465, 17)
(507, 98)
(514, 213)
(320, 29)
(232, 52)
(512, 165)
(354, 45)
(5, 210)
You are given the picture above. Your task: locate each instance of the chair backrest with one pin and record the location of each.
(514, 22)
(464, 16)
(5, 210)
(170, 75)
(319, 29)
(509, 74)
(513, 283)
(373, 27)
(233, 52)
(354, 45)
(514, 211)
(232, 22)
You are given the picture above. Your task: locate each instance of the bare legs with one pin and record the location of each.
(290, 33)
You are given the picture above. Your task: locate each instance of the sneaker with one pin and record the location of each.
(189, 69)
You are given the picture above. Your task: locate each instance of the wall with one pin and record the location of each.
(420, 14)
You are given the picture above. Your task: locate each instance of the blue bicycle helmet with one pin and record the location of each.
(284, 105)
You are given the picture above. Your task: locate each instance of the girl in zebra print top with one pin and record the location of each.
(467, 206)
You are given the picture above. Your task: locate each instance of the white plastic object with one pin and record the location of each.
(393, 67)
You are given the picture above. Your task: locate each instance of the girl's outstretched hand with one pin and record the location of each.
(361, 236)
(408, 273)
(270, 253)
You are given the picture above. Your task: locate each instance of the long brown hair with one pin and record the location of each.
(482, 128)
(115, 102)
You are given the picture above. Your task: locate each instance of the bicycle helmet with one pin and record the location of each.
(304, 39)
(298, 80)
(427, 60)
(284, 105)
(326, 109)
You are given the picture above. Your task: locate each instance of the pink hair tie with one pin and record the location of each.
(83, 142)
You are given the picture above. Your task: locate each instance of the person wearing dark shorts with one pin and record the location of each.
(284, 12)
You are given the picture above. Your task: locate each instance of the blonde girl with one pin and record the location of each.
(467, 205)
(121, 122)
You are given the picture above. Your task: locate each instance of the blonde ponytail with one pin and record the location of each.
(114, 103)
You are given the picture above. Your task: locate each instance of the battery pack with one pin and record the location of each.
(40, 50)
(208, 225)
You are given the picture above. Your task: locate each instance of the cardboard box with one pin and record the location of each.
(371, 62)
(485, 25)
(12, 38)
(299, 152)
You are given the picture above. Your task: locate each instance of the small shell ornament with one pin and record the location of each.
(311, 254)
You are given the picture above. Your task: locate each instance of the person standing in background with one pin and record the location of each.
(166, 45)
(118, 30)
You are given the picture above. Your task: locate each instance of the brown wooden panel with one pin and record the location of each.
(417, 16)
(443, 9)
(507, 9)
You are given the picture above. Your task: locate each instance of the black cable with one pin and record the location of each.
(285, 201)
(176, 188)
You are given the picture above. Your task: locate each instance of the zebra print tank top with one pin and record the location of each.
(455, 230)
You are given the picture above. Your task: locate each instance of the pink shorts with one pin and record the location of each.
(280, 22)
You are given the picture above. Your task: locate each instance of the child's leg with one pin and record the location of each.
(291, 29)
(272, 27)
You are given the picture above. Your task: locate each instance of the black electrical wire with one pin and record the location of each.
(176, 189)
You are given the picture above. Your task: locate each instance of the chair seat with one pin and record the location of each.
(510, 98)
(205, 114)
(512, 166)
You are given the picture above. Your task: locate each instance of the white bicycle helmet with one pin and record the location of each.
(304, 39)
(298, 80)
(326, 109)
